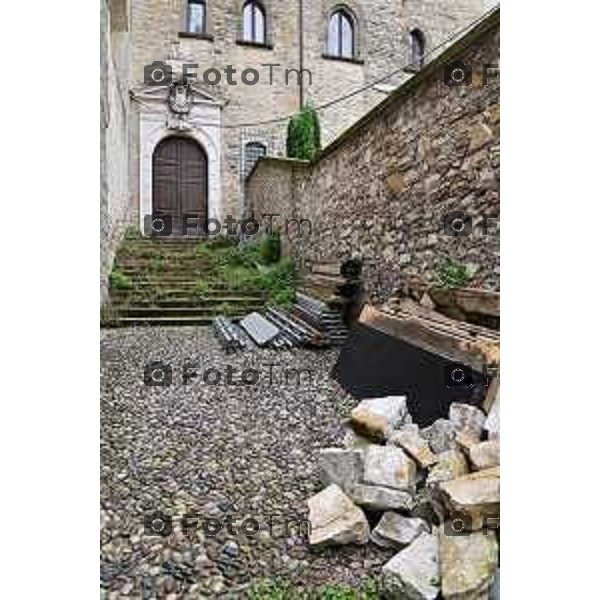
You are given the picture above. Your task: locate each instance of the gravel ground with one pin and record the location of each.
(243, 451)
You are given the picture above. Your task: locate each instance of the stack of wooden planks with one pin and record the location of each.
(333, 282)
(471, 305)
(468, 304)
(337, 284)
(430, 330)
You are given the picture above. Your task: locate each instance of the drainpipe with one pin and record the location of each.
(301, 50)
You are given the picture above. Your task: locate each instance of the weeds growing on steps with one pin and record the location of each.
(248, 267)
(243, 268)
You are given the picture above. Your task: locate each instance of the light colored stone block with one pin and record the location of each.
(414, 573)
(335, 519)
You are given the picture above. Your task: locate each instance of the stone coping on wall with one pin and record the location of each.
(280, 161)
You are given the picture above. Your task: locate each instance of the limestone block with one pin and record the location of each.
(340, 466)
(467, 419)
(390, 467)
(376, 418)
(414, 573)
(414, 445)
(468, 564)
(476, 495)
(449, 465)
(485, 455)
(335, 519)
(372, 497)
(396, 531)
(440, 436)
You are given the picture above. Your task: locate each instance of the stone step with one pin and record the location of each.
(183, 302)
(175, 287)
(151, 246)
(155, 321)
(184, 311)
(167, 267)
(174, 270)
(141, 259)
(175, 241)
(187, 277)
(166, 278)
(177, 283)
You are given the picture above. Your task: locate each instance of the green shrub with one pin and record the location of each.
(119, 281)
(304, 135)
(156, 264)
(242, 278)
(132, 233)
(270, 248)
(217, 241)
(201, 288)
(450, 274)
(279, 281)
(225, 309)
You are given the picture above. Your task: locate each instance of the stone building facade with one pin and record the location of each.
(234, 124)
(385, 189)
(115, 114)
(240, 114)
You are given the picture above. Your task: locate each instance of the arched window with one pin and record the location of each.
(252, 152)
(340, 35)
(196, 16)
(254, 23)
(417, 48)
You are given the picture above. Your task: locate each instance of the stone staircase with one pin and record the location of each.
(167, 282)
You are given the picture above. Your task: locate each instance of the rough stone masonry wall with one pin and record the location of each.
(115, 205)
(382, 189)
(276, 184)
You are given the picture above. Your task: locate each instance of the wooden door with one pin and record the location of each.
(180, 184)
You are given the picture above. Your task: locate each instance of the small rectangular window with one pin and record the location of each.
(253, 151)
(196, 16)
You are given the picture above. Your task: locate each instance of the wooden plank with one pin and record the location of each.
(474, 353)
(328, 269)
(468, 300)
(492, 394)
(406, 306)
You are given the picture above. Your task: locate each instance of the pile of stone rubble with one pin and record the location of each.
(433, 494)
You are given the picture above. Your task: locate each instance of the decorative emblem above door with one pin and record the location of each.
(180, 98)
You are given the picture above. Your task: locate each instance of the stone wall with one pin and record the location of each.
(115, 200)
(382, 189)
(276, 187)
(383, 28)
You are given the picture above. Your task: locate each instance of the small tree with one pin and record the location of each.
(304, 135)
